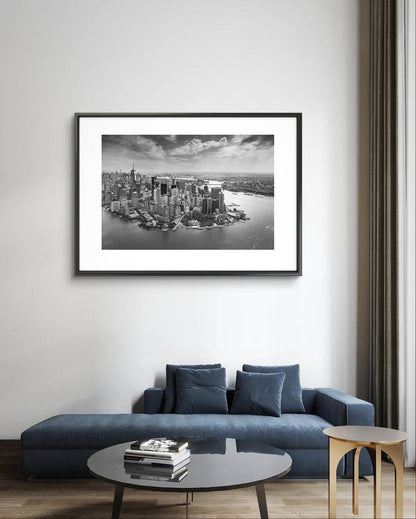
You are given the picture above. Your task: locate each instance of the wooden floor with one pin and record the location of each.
(92, 499)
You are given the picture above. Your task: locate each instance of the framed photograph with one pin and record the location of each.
(190, 194)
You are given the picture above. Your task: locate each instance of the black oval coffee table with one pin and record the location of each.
(215, 464)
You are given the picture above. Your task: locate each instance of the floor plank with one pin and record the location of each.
(92, 499)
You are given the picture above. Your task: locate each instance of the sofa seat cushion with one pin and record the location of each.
(96, 431)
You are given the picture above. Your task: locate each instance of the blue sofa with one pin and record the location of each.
(61, 445)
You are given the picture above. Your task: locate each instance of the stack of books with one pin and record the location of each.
(158, 459)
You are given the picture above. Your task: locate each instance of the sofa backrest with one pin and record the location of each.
(154, 398)
(308, 397)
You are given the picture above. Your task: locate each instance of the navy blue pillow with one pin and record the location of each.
(258, 393)
(292, 392)
(170, 390)
(201, 391)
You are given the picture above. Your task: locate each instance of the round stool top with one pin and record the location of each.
(365, 434)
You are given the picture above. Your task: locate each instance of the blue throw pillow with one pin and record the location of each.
(258, 393)
(292, 392)
(170, 390)
(201, 391)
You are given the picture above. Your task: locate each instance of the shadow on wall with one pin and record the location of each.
(138, 405)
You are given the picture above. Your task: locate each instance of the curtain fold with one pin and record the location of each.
(383, 214)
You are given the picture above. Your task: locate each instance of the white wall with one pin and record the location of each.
(407, 209)
(94, 344)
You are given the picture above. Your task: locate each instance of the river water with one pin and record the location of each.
(256, 233)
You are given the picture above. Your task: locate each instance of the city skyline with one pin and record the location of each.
(177, 204)
(198, 154)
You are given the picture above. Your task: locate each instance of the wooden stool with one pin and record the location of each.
(345, 438)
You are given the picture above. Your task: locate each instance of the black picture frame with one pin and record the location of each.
(82, 149)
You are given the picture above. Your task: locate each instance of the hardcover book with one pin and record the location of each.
(160, 445)
(154, 460)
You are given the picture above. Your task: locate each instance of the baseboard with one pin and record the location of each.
(10, 443)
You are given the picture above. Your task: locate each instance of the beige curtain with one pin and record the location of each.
(383, 213)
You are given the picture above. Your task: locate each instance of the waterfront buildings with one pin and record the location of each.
(161, 200)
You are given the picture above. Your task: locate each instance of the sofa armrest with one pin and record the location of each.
(341, 409)
(154, 398)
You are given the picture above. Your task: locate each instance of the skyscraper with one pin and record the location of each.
(108, 198)
(122, 194)
(221, 203)
(133, 175)
(158, 196)
(174, 193)
(154, 183)
(207, 205)
(215, 192)
(135, 199)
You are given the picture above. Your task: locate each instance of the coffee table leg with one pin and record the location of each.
(333, 460)
(396, 454)
(261, 499)
(355, 483)
(337, 449)
(118, 499)
(398, 465)
(377, 484)
(375, 455)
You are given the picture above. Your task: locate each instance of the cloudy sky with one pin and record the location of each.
(189, 153)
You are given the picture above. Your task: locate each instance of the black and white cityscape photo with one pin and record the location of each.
(187, 192)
